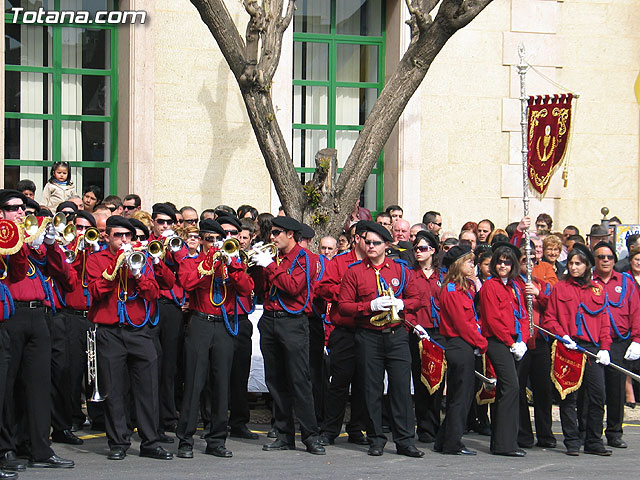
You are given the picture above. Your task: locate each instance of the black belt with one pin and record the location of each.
(80, 313)
(167, 301)
(348, 329)
(280, 314)
(207, 317)
(31, 305)
(384, 330)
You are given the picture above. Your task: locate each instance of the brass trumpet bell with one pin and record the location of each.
(91, 235)
(269, 247)
(30, 225)
(175, 243)
(59, 222)
(230, 246)
(69, 233)
(70, 256)
(155, 249)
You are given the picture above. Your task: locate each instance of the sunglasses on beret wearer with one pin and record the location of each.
(163, 221)
(14, 208)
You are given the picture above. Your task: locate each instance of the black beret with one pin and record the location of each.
(607, 245)
(508, 245)
(582, 248)
(429, 237)
(87, 216)
(67, 204)
(379, 230)
(44, 212)
(31, 203)
(120, 222)
(287, 223)
(211, 226)
(6, 195)
(361, 226)
(307, 231)
(164, 209)
(137, 224)
(228, 219)
(454, 253)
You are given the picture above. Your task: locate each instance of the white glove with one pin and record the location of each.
(37, 241)
(126, 247)
(603, 358)
(477, 352)
(168, 233)
(518, 349)
(230, 257)
(50, 235)
(156, 260)
(381, 304)
(571, 345)
(421, 332)
(398, 303)
(96, 247)
(633, 352)
(257, 244)
(263, 259)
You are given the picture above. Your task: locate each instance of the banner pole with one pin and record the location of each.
(522, 71)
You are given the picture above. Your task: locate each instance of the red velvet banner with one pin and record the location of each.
(10, 237)
(567, 368)
(486, 395)
(433, 365)
(549, 122)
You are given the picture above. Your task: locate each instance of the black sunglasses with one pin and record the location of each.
(122, 235)
(275, 233)
(210, 238)
(14, 208)
(129, 207)
(163, 221)
(192, 221)
(505, 262)
(436, 223)
(232, 232)
(111, 208)
(375, 243)
(605, 257)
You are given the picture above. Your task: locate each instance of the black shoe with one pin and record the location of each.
(158, 453)
(410, 451)
(278, 445)
(219, 451)
(54, 461)
(605, 452)
(573, 453)
(630, 404)
(315, 448)
(172, 427)
(65, 436)
(9, 461)
(76, 427)
(462, 451)
(516, 453)
(8, 474)
(358, 439)
(425, 438)
(546, 444)
(324, 439)
(117, 453)
(243, 433)
(164, 438)
(185, 451)
(617, 443)
(273, 433)
(375, 451)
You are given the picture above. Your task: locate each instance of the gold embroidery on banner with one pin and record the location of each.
(563, 116)
(547, 154)
(535, 116)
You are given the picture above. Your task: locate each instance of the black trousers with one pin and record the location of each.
(504, 421)
(377, 352)
(615, 389)
(127, 358)
(593, 390)
(427, 406)
(478, 414)
(536, 367)
(343, 372)
(317, 368)
(460, 382)
(5, 360)
(239, 413)
(284, 342)
(170, 336)
(61, 380)
(30, 365)
(208, 354)
(77, 327)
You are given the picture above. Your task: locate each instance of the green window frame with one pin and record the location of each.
(334, 40)
(56, 117)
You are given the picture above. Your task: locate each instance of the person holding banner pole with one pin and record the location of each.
(577, 312)
(461, 330)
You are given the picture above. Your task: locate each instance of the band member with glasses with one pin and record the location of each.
(30, 343)
(124, 308)
(212, 281)
(623, 307)
(505, 324)
(384, 346)
(130, 205)
(285, 283)
(577, 312)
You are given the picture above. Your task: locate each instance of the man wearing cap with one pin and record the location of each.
(343, 370)
(596, 235)
(30, 339)
(623, 305)
(124, 307)
(212, 280)
(284, 334)
(383, 346)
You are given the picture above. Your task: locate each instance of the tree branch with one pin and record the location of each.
(471, 9)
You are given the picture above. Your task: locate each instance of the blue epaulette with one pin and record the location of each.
(401, 261)
(451, 287)
(341, 253)
(357, 262)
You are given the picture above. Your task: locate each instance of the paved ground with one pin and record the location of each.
(347, 461)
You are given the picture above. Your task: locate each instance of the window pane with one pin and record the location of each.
(86, 48)
(27, 139)
(312, 16)
(94, 176)
(27, 45)
(310, 105)
(88, 141)
(85, 95)
(357, 63)
(311, 61)
(359, 17)
(345, 140)
(371, 193)
(353, 105)
(27, 92)
(306, 144)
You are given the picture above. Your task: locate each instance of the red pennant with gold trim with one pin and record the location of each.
(11, 238)
(567, 368)
(433, 365)
(485, 395)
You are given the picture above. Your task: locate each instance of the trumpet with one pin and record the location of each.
(155, 249)
(173, 243)
(92, 365)
(30, 225)
(269, 247)
(91, 235)
(70, 256)
(386, 317)
(135, 261)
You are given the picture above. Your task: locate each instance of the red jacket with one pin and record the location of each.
(14, 269)
(429, 290)
(498, 306)
(539, 303)
(624, 304)
(569, 299)
(457, 316)
(329, 287)
(170, 260)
